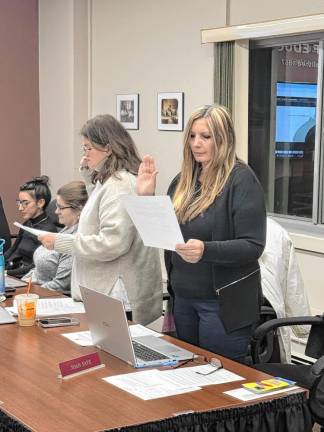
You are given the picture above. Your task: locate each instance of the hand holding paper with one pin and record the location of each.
(47, 240)
(192, 251)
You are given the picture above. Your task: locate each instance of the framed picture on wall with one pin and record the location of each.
(170, 111)
(127, 110)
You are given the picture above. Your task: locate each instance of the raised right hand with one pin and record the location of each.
(146, 179)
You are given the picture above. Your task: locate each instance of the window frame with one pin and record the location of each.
(314, 225)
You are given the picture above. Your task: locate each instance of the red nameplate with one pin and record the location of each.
(80, 364)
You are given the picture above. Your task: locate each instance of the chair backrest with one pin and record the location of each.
(50, 210)
(315, 342)
(261, 351)
(4, 228)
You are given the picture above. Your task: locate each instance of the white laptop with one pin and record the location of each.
(110, 332)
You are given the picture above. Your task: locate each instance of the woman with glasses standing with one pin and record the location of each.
(34, 196)
(53, 269)
(109, 256)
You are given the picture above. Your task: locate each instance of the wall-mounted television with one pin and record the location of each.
(295, 117)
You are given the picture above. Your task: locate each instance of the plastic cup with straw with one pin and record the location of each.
(26, 305)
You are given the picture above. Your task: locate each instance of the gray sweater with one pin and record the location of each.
(52, 269)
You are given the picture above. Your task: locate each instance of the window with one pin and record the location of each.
(285, 99)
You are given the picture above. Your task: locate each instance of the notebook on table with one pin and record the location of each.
(11, 282)
(6, 317)
(110, 332)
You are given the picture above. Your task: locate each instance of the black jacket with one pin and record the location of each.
(19, 258)
(238, 240)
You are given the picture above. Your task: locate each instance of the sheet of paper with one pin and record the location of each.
(147, 385)
(11, 282)
(137, 330)
(155, 220)
(82, 338)
(188, 376)
(35, 232)
(246, 395)
(53, 306)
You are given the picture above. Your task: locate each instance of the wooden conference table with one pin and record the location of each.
(32, 397)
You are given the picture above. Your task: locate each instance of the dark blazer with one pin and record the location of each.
(238, 240)
(4, 228)
(19, 258)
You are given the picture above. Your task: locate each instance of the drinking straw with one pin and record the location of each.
(29, 286)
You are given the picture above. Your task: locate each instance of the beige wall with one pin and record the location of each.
(63, 84)
(148, 47)
(144, 47)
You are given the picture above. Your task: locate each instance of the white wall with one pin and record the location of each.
(148, 47)
(63, 85)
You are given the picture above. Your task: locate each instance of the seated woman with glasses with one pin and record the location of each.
(53, 269)
(34, 197)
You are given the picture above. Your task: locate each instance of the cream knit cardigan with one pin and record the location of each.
(107, 246)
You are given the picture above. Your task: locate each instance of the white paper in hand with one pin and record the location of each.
(154, 219)
(35, 232)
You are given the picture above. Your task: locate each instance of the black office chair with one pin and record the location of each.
(4, 228)
(50, 211)
(310, 376)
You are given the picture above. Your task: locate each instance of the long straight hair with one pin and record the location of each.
(188, 202)
(104, 131)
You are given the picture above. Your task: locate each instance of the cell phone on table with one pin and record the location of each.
(58, 321)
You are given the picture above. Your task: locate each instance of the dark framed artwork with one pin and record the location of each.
(127, 110)
(170, 111)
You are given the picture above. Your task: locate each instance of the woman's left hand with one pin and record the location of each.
(48, 240)
(192, 251)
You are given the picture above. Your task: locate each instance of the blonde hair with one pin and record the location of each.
(188, 202)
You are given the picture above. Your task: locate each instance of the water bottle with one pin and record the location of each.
(2, 268)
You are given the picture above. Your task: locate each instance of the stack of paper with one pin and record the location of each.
(53, 306)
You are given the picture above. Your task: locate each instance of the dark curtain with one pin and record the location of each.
(290, 414)
(8, 424)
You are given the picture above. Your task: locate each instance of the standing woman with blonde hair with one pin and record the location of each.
(108, 254)
(214, 277)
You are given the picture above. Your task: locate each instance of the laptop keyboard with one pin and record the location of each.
(147, 354)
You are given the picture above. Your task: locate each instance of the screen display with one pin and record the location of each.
(295, 117)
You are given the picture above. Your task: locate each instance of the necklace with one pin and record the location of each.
(37, 223)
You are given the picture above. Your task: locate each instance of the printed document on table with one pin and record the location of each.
(53, 306)
(148, 385)
(35, 232)
(155, 220)
(82, 338)
(246, 395)
(189, 377)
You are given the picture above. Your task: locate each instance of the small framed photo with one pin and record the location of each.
(127, 110)
(170, 111)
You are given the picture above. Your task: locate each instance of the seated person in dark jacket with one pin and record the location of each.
(34, 197)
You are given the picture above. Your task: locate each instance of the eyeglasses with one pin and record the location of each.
(201, 360)
(62, 207)
(23, 203)
(86, 148)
